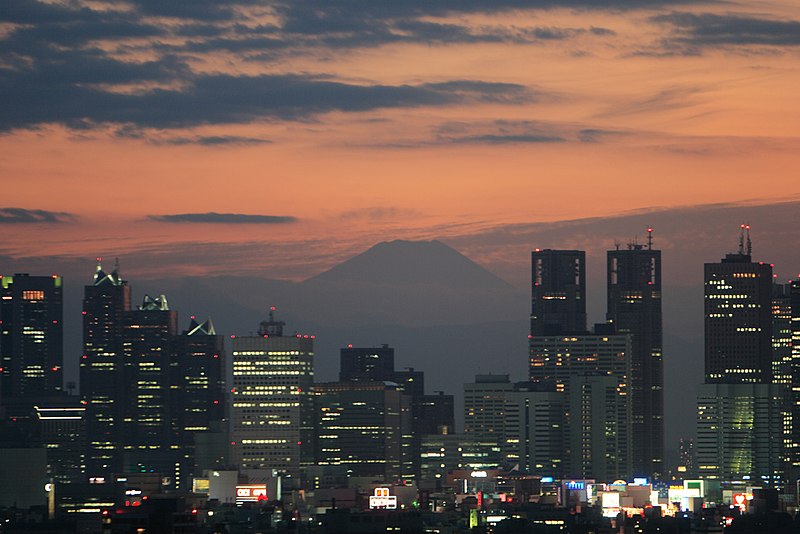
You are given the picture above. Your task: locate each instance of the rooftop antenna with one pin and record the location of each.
(616, 244)
(741, 239)
(650, 238)
(749, 244)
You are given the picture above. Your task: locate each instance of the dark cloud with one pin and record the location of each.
(223, 218)
(213, 140)
(224, 99)
(707, 29)
(501, 132)
(22, 215)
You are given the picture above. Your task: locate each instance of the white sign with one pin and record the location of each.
(382, 500)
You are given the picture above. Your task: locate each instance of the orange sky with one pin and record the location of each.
(611, 110)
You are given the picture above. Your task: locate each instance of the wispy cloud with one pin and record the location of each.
(22, 215)
(223, 218)
(708, 29)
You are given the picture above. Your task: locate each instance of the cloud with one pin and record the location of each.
(707, 29)
(22, 215)
(223, 218)
(501, 132)
(40, 98)
(212, 140)
(378, 213)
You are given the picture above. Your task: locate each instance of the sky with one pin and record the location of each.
(314, 129)
(276, 139)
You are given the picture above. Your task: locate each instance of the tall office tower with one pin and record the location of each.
(634, 306)
(199, 391)
(738, 320)
(533, 429)
(272, 408)
(782, 360)
(558, 292)
(377, 364)
(366, 363)
(148, 435)
(105, 303)
(598, 418)
(794, 392)
(739, 411)
(361, 426)
(31, 339)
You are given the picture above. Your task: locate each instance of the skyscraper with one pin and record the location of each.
(558, 292)
(148, 434)
(272, 408)
(740, 409)
(199, 392)
(31, 338)
(738, 320)
(105, 303)
(634, 306)
(593, 372)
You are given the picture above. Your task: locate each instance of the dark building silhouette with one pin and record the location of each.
(362, 427)
(738, 320)
(31, 340)
(741, 408)
(61, 430)
(198, 399)
(105, 304)
(436, 414)
(558, 303)
(366, 363)
(634, 307)
(148, 434)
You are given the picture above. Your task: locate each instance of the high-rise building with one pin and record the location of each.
(199, 391)
(149, 436)
(738, 320)
(634, 307)
(558, 292)
(272, 407)
(105, 303)
(441, 453)
(31, 339)
(741, 415)
(361, 426)
(593, 372)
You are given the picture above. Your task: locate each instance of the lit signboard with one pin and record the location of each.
(251, 492)
(382, 500)
(479, 474)
(575, 484)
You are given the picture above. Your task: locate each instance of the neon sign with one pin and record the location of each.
(382, 500)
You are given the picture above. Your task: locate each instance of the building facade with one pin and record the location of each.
(272, 405)
(634, 307)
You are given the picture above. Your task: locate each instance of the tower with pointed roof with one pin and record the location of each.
(105, 302)
(198, 404)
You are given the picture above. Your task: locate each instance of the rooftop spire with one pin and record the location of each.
(749, 244)
(650, 238)
(741, 239)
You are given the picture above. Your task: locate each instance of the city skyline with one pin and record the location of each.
(215, 129)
